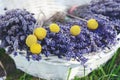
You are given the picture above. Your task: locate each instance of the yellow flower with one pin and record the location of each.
(75, 30)
(36, 48)
(31, 39)
(92, 24)
(54, 28)
(40, 33)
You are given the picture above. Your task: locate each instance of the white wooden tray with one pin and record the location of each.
(58, 69)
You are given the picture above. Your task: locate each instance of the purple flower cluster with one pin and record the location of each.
(15, 25)
(106, 33)
(64, 44)
(108, 8)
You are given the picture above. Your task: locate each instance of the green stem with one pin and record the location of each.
(69, 72)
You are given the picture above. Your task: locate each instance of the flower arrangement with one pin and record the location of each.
(71, 39)
(84, 30)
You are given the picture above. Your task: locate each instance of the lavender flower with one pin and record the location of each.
(107, 8)
(16, 24)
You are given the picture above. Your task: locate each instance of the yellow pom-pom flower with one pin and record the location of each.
(92, 24)
(31, 39)
(54, 28)
(75, 30)
(36, 48)
(40, 33)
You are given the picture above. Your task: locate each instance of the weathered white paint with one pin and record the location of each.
(57, 69)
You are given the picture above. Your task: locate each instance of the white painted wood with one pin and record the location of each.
(57, 69)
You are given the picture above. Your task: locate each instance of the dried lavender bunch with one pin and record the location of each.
(108, 8)
(81, 11)
(106, 33)
(104, 36)
(56, 43)
(64, 44)
(15, 25)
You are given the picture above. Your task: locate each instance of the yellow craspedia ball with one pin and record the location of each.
(36, 48)
(92, 24)
(40, 33)
(54, 28)
(75, 30)
(31, 39)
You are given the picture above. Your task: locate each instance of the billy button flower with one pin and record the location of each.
(40, 33)
(31, 39)
(36, 48)
(75, 30)
(54, 28)
(92, 24)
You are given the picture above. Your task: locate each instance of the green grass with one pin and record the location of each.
(108, 71)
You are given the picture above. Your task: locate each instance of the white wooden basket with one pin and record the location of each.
(53, 68)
